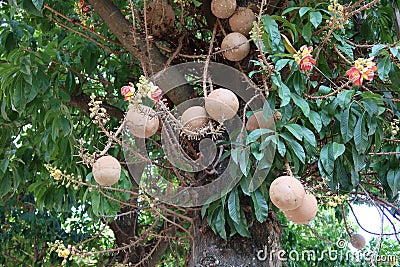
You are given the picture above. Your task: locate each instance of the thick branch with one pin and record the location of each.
(82, 102)
(121, 28)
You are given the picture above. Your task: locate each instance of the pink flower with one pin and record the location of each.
(307, 62)
(128, 91)
(355, 76)
(363, 69)
(155, 93)
(304, 58)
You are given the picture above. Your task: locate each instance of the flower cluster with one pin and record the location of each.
(69, 253)
(61, 250)
(82, 9)
(144, 88)
(362, 69)
(336, 200)
(97, 113)
(338, 16)
(394, 125)
(304, 58)
(59, 175)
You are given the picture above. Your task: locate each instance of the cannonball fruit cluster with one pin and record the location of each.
(289, 195)
(142, 121)
(235, 45)
(106, 170)
(160, 17)
(221, 105)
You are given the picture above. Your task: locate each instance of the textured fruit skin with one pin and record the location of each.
(222, 104)
(106, 170)
(160, 17)
(257, 121)
(242, 20)
(306, 212)
(194, 117)
(142, 122)
(287, 193)
(357, 241)
(235, 46)
(223, 9)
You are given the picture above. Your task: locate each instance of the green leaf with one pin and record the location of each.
(4, 165)
(283, 90)
(296, 130)
(281, 148)
(346, 48)
(290, 9)
(296, 147)
(242, 227)
(376, 49)
(244, 161)
(309, 136)
(315, 120)
(344, 98)
(90, 54)
(260, 206)
(281, 63)
(254, 135)
(301, 103)
(31, 8)
(234, 205)
(315, 18)
(218, 221)
(361, 136)
(274, 36)
(304, 11)
(204, 210)
(384, 67)
(327, 159)
(95, 201)
(19, 99)
(393, 180)
(346, 123)
(338, 149)
(358, 160)
(307, 32)
(38, 4)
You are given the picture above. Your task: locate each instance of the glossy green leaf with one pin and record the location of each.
(234, 205)
(361, 136)
(301, 103)
(260, 206)
(315, 18)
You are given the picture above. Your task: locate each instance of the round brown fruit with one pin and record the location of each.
(222, 104)
(194, 117)
(287, 193)
(223, 9)
(257, 121)
(357, 241)
(242, 20)
(235, 46)
(142, 122)
(160, 17)
(106, 170)
(306, 212)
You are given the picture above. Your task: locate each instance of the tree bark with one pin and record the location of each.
(122, 29)
(261, 250)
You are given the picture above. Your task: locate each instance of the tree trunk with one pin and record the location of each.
(260, 250)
